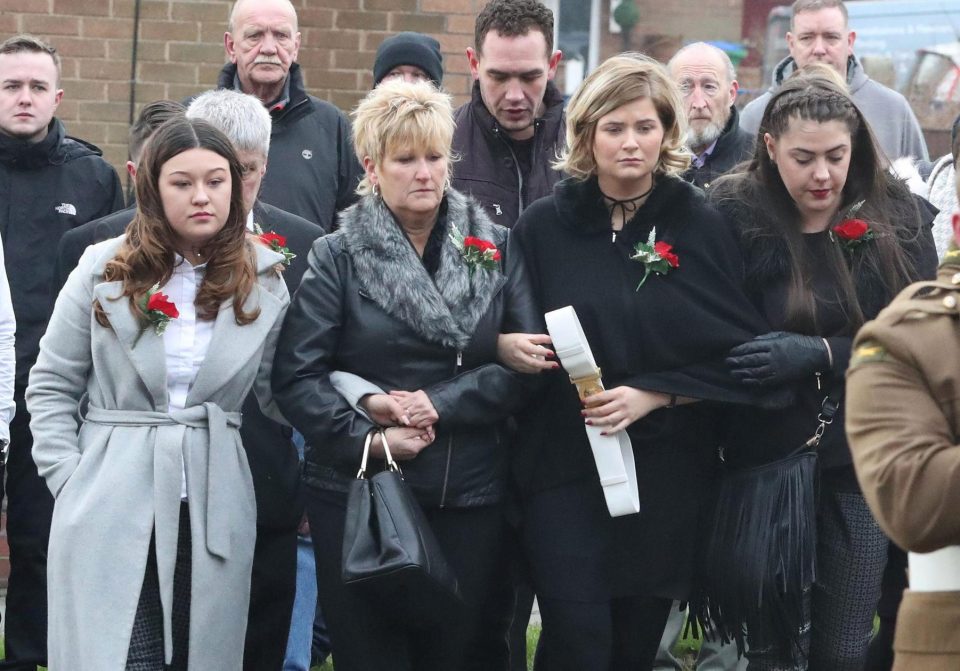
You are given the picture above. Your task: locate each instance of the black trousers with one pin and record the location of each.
(366, 637)
(273, 586)
(620, 634)
(29, 510)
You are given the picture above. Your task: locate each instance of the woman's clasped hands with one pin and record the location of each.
(409, 418)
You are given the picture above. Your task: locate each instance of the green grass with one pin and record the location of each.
(687, 648)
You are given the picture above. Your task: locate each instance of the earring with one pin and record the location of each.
(376, 190)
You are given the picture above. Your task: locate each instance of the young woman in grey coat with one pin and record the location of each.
(157, 337)
(397, 298)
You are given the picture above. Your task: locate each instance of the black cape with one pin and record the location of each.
(671, 335)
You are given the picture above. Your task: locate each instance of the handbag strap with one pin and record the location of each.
(828, 409)
(391, 463)
(362, 473)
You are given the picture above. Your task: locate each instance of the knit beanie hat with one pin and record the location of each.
(409, 49)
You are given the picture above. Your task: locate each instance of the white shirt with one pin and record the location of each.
(186, 338)
(8, 357)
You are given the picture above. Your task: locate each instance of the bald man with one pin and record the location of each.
(708, 83)
(313, 171)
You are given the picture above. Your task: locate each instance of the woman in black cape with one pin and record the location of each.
(605, 584)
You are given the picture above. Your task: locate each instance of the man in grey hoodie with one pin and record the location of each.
(819, 33)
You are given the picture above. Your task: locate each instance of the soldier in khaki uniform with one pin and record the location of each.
(903, 425)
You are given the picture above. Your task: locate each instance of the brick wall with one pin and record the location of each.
(180, 51)
(180, 47)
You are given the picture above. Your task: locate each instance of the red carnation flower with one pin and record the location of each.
(656, 256)
(852, 233)
(278, 243)
(851, 229)
(157, 310)
(476, 252)
(271, 238)
(477, 243)
(663, 249)
(161, 303)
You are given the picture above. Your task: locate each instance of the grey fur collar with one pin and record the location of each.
(445, 309)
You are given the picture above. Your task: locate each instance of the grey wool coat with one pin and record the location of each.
(116, 476)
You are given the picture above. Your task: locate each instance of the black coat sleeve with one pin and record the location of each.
(492, 392)
(114, 196)
(69, 251)
(305, 358)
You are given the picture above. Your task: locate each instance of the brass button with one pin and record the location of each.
(950, 302)
(955, 279)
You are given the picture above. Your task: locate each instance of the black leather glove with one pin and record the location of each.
(777, 358)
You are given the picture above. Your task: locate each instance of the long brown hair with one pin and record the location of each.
(146, 256)
(814, 95)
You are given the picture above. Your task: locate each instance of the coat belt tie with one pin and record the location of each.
(225, 467)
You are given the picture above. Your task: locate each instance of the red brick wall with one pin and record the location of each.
(180, 48)
(180, 51)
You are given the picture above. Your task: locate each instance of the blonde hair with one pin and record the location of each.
(399, 115)
(620, 80)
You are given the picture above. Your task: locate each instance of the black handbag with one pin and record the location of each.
(389, 551)
(760, 553)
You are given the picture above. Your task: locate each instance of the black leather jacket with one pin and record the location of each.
(368, 306)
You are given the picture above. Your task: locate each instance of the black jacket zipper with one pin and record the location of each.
(446, 470)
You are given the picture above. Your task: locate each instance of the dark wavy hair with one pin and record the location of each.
(814, 94)
(146, 256)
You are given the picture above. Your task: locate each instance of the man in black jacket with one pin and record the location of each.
(708, 82)
(49, 183)
(510, 132)
(273, 459)
(313, 170)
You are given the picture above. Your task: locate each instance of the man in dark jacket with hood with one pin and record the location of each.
(49, 184)
(819, 34)
(313, 171)
(708, 83)
(510, 132)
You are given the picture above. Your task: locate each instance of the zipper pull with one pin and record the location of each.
(818, 381)
(613, 236)
(459, 359)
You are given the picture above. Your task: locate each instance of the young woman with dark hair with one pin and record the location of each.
(829, 238)
(158, 335)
